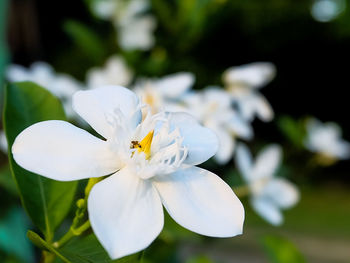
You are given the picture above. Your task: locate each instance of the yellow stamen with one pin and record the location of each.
(145, 144)
(149, 99)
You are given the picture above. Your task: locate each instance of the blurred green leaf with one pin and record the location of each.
(281, 250)
(86, 40)
(13, 239)
(6, 180)
(3, 47)
(292, 129)
(200, 259)
(46, 201)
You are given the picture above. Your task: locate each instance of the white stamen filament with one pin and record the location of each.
(167, 152)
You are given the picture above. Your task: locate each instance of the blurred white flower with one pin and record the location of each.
(212, 107)
(137, 33)
(3, 142)
(150, 161)
(164, 94)
(61, 85)
(269, 194)
(243, 82)
(135, 28)
(115, 72)
(327, 10)
(325, 139)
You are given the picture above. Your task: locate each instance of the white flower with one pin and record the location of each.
(212, 107)
(164, 93)
(135, 29)
(115, 72)
(269, 193)
(325, 139)
(149, 163)
(137, 33)
(61, 85)
(243, 82)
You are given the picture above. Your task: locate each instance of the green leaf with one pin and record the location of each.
(43, 245)
(88, 249)
(281, 250)
(6, 180)
(199, 259)
(84, 249)
(13, 239)
(46, 201)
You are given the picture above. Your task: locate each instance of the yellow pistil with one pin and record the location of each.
(144, 145)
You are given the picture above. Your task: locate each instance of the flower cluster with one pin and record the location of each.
(149, 160)
(155, 132)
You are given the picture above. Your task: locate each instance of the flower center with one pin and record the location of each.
(144, 145)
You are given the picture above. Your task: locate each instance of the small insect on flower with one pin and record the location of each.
(151, 162)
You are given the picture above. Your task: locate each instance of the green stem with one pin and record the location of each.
(77, 227)
(68, 236)
(78, 231)
(72, 232)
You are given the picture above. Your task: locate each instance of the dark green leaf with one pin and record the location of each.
(85, 249)
(281, 250)
(43, 245)
(6, 180)
(4, 54)
(88, 249)
(46, 201)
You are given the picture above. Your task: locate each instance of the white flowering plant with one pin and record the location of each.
(147, 153)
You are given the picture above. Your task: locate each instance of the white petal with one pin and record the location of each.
(104, 8)
(115, 72)
(342, 149)
(254, 74)
(263, 108)
(201, 202)
(267, 162)
(94, 106)
(240, 127)
(175, 85)
(267, 210)
(126, 213)
(282, 192)
(201, 142)
(226, 146)
(137, 33)
(246, 107)
(16, 73)
(61, 151)
(244, 161)
(218, 96)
